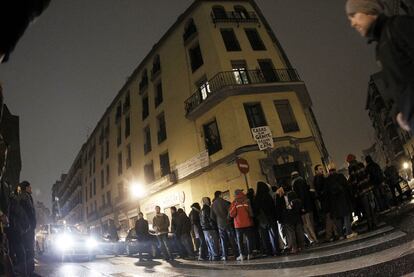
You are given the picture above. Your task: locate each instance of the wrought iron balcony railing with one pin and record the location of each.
(238, 78)
(234, 17)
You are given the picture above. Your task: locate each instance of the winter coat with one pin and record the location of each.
(289, 213)
(264, 207)
(220, 212)
(395, 53)
(174, 222)
(391, 175)
(26, 202)
(141, 229)
(301, 188)
(19, 222)
(206, 222)
(319, 182)
(338, 195)
(195, 222)
(376, 176)
(241, 212)
(161, 223)
(183, 224)
(358, 179)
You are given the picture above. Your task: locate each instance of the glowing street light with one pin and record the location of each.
(137, 190)
(406, 165)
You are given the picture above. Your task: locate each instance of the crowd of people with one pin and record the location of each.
(282, 219)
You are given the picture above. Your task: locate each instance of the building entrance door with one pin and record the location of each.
(283, 171)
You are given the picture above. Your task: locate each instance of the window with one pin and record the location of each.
(255, 39)
(156, 66)
(255, 115)
(86, 194)
(268, 71)
(102, 179)
(107, 174)
(118, 113)
(103, 200)
(94, 164)
(121, 190)
(162, 131)
(240, 72)
(102, 154)
(241, 12)
(203, 88)
(145, 107)
(90, 190)
(287, 118)
(147, 140)
(129, 158)
(230, 40)
(149, 173)
(119, 136)
(95, 206)
(144, 81)
(119, 163)
(94, 186)
(195, 57)
(127, 103)
(108, 197)
(189, 30)
(165, 164)
(219, 12)
(127, 126)
(212, 137)
(107, 150)
(158, 94)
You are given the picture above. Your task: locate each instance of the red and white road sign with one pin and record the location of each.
(243, 165)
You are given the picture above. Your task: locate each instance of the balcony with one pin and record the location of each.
(237, 79)
(234, 17)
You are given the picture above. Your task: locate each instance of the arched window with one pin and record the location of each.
(189, 29)
(241, 12)
(219, 12)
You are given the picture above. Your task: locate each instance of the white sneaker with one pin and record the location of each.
(353, 235)
(240, 258)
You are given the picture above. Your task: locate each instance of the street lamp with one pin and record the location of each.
(406, 165)
(137, 190)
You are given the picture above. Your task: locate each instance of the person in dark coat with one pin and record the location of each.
(255, 232)
(143, 236)
(394, 52)
(393, 179)
(183, 233)
(199, 240)
(362, 190)
(220, 214)
(302, 189)
(265, 211)
(26, 202)
(376, 176)
(288, 208)
(176, 240)
(210, 230)
(15, 17)
(338, 195)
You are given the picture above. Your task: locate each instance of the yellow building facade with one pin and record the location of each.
(185, 115)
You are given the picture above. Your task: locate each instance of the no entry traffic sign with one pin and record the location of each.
(243, 165)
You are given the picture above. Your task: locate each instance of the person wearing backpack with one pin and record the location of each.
(394, 52)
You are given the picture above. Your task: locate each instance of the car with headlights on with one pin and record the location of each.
(59, 240)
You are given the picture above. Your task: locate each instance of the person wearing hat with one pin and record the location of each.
(362, 190)
(394, 52)
(26, 202)
(242, 214)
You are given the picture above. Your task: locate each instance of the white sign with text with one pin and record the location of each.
(263, 136)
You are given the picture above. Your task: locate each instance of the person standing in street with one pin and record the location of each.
(161, 223)
(143, 236)
(362, 190)
(220, 214)
(176, 239)
(183, 233)
(393, 179)
(242, 213)
(394, 52)
(301, 188)
(376, 177)
(26, 202)
(210, 230)
(199, 240)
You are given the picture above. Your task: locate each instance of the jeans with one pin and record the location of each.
(270, 239)
(368, 204)
(248, 235)
(342, 222)
(227, 235)
(28, 242)
(308, 226)
(212, 241)
(163, 245)
(145, 246)
(330, 227)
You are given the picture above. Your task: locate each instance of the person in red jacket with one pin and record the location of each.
(242, 214)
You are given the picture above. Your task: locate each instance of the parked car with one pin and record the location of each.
(59, 240)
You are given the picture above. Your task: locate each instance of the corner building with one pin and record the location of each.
(184, 116)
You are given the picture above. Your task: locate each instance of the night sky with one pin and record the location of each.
(72, 62)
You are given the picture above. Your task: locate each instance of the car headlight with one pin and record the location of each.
(92, 243)
(64, 242)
